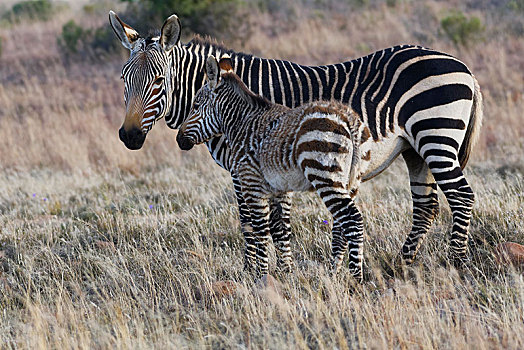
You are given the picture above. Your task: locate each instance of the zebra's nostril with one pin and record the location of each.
(122, 135)
(185, 143)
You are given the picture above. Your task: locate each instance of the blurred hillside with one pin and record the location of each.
(61, 99)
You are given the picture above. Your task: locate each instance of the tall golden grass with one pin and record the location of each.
(102, 247)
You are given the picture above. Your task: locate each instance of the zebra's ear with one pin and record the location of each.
(212, 72)
(127, 35)
(225, 64)
(170, 34)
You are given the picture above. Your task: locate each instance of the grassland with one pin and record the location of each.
(101, 247)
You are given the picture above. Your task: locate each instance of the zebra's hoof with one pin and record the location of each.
(249, 266)
(459, 261)
(285, 266)
(408, 256)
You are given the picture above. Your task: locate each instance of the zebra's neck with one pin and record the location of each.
(188, 76)
(238, 108)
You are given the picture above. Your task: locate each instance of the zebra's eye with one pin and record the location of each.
(159, 80)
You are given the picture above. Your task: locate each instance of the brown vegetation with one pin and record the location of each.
(102, 247)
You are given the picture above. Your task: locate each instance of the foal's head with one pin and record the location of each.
(222, 99)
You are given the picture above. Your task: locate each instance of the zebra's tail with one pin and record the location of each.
(473, 130)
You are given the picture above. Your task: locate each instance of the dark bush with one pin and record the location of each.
(72, 33)
(41, 10)
(217, 18)
(516, 5)
(89, 43)
(462, 30)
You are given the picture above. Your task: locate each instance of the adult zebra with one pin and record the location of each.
(423, 104)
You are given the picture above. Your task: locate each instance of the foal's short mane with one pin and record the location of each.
(242, 90)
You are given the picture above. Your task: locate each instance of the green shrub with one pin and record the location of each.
(98, 7)
(92, 43)
(72, 33)
(516, 5)
(102, 41)
(217, 18)
(34, 10)
(460, 29)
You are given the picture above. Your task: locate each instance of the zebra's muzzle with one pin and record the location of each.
(133, 139)
(185, 143)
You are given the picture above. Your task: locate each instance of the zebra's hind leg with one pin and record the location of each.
(347, 227)
(451, 180)
(245, 226)
(425, 203)
(280, 229)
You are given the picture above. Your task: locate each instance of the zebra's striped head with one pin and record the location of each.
(203, 122)
(147, 77)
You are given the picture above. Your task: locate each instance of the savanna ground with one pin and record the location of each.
(102, 247)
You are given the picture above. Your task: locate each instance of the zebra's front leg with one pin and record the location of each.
(245, 226)
(280, 229)
(425, 203)
(258, 205)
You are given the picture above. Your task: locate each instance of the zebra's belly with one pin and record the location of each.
(286, 180)
(378, 155)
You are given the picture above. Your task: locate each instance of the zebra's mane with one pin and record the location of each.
(152, 36)
(208, 41)
(241, 89)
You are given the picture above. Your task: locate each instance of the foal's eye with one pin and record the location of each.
(195, 105)
(159, 80)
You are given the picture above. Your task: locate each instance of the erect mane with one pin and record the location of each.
(152, 36)
(242, 90)
(207, 41)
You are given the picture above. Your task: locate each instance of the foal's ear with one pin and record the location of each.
(127, 35)
(212, 72)
(225, 64)
(170, 33)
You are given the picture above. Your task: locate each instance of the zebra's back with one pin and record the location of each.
(316, 141)
(386, 89)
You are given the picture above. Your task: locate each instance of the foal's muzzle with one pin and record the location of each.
(184, 142)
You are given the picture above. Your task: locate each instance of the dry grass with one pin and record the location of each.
(101, 247)
(95, 266)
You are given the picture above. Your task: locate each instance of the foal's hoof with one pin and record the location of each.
(285, 266)
(459, 260)
(250, 267)
(405, 260)
(396, 268)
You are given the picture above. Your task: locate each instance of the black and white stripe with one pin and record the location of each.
(425, 103)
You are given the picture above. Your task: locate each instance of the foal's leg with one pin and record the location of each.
(245, 226)
(347, 226)
(259, 209)
(257, 200)
(280, 228)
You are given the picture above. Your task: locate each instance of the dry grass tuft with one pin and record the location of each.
(101, 247)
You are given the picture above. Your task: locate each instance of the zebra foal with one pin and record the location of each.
(276, 150)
